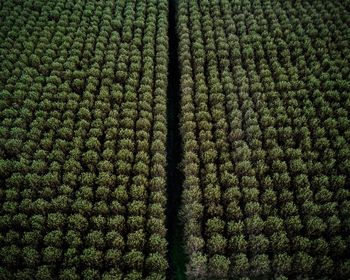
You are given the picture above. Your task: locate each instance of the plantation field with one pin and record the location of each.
(265, 124)
(188, 139)
(82, 139)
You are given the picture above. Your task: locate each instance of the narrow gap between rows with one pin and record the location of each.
(176, 255)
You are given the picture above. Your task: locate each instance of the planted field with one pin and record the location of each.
(160, 139)
(266, 130)
(82, 139)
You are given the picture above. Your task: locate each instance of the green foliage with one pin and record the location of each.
(265, 152)
(83, 96)
(265, 137)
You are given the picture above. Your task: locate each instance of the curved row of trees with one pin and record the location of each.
(82, 139)
(266, 130)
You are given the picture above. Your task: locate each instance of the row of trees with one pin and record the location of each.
(265, 127)
(82, 139)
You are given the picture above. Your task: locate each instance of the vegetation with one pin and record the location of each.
(266, 132)
(90, 139)
(82, 139)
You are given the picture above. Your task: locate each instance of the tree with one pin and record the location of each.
(68, 274)
(112, 274)
(233, 211)
(78, 222)
(157, 243)
(134, 260)
(51, 255)
(279, 242)
(54, 238)
(282, 264)
(293, 224)
(218, 266)
(44, 272)
(216, 244)
(254, 224)
(91, 257)
(240, 265)
(90, 158)
(302, 263)
(238, 244)
(260, 265)
(95, 239)
(197, 266)
(214, 225)
(258, 243)
(90, 274)
(136, 240)
(156, 262)
(30, 256)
